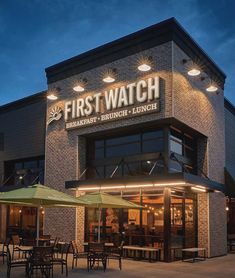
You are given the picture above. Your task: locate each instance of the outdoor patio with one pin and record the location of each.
(216, 267)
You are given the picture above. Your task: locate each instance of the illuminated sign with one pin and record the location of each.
(133, 99)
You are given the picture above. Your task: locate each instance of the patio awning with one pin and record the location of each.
(171, 179)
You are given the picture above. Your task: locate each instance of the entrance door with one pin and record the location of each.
(183, 224)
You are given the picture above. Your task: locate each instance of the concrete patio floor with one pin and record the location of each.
(221, 267)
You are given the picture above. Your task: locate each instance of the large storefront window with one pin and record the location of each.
(145, 227)
(22, 222)
(108, 153)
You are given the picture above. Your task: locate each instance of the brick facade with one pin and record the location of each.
(183, 98)
(230, 139)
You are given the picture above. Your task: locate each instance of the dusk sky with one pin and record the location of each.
(35, 34)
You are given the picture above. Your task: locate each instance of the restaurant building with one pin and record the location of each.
(142, 117)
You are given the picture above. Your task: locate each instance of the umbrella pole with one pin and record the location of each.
(99, 224)
(38, 224)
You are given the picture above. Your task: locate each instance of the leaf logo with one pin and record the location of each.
(55, 114)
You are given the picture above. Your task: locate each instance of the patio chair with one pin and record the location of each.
(76, 253)
(3, 252)
(63, 259)
(55, 245)
(116, 254)
(96, 254)
(16, 241)
(41, 258)
(15, 263)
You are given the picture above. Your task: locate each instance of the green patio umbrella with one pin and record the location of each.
(39, 196)
(103, 200)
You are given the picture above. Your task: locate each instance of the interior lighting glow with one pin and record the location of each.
(198, 189)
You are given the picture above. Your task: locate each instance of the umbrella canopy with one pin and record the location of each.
(103, 200)
(39, 195)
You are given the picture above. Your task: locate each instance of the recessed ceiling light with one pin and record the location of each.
(194, 72)
(144, 67)
(211, 88)
(109, 79)
(79, 88)
(52, 97)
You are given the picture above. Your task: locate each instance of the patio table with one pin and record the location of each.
(194, 252)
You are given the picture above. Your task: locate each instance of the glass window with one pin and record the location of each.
(30, 164)
(123, 150)
(176, 145)
(123, 140)
(152, 134)
(155, 145)
(174, 166)
(99, 153)
(99, 143)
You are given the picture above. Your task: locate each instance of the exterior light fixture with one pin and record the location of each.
(21, 177)
(79, 85)
(109, 75)
(211, 88)
(192, 68)
(144, 63)
(109, 79)
(79, 88)
(227, 209)
(52, 97)
(52, 93)
(194, 72)
(144, 67)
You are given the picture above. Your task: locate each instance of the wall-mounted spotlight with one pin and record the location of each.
(52, 94)
(109, 76)
(144, 63)
(194, 72)
(212, 88)
(192, 68)
(52, 97)
(80, 85)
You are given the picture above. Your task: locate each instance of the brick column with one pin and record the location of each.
(212, 228)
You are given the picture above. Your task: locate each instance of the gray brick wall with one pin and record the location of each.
(230, 141)
(212, 229)
(65, 149)
(202, 111)
(24, 137)
(183, 99)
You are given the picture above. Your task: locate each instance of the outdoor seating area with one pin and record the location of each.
(43, 259)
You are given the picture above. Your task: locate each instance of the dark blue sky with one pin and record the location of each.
(35, 34)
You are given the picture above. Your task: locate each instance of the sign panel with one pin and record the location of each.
(133, 99)
(117, 115)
